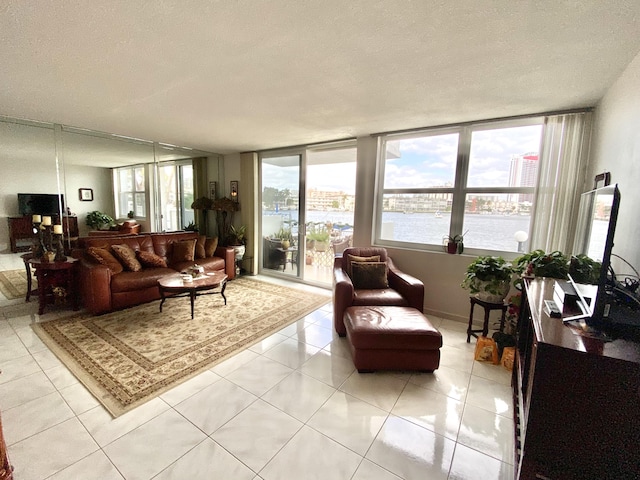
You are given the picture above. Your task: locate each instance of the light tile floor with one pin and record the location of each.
(290, 407)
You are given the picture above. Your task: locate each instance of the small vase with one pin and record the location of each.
(286, 244)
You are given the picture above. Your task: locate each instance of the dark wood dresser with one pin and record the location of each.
(576, 398)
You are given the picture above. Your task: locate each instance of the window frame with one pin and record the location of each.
(118, 192)
(460, 189)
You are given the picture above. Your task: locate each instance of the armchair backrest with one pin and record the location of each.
(362, 252)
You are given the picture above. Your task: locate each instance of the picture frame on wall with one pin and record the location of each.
(86, 194)
(213, 187)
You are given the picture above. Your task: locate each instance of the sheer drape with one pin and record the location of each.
(563, 165)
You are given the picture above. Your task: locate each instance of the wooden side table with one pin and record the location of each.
(487, 310)
(52, 275)
(30, 291)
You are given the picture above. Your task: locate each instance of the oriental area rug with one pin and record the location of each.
(128, 357)
(13, 283)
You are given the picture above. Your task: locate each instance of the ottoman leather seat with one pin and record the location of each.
(392, 338)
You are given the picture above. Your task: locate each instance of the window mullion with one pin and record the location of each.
(459, 195)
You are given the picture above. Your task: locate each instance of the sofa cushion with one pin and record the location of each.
(356, 258)
(210, 246)
(183, 251)
(104, 257)
(127, 257)
(379, 296)
(200, 242)
(369, 275)
(148, 259)
(132, 281)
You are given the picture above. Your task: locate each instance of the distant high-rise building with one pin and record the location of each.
(523, 173)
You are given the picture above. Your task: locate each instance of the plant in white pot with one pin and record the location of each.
(488, 278)
(238, 239)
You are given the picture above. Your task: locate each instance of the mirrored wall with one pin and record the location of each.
(45, 158)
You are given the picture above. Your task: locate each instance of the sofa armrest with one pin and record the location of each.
(342, 298)
(95, 287)
(408, 286)
(229, 256)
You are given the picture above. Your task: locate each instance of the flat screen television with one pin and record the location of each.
(595, 232)
(40, 203)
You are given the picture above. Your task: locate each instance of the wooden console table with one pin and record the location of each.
(576, 398)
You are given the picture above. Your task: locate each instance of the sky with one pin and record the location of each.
(424, 162)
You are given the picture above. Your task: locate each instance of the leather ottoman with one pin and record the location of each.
(392, 338)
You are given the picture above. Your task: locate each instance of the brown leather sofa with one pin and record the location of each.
(403, 291)
(103, 291)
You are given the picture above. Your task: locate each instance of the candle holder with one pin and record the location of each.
(38, 242)
(60, 255)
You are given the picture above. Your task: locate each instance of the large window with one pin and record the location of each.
(478, 181)
(130, 191)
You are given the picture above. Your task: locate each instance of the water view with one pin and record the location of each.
(488, 232)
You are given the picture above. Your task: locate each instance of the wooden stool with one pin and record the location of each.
(487, 309)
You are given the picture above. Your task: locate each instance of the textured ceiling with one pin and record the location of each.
(228, 76)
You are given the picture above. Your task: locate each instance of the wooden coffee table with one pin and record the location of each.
(173, 286)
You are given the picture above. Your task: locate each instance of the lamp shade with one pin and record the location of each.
(521, 236)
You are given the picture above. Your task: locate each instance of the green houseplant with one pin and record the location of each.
(488, 278)
(285, 236)
(540, 264)
(319, 234)
(97, 220)
(584, 269)
(237, 235)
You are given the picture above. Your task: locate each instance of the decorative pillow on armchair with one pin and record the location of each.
(369, 275)
(127, 256)
(355, 258)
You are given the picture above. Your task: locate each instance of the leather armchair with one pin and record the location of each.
(404, 290)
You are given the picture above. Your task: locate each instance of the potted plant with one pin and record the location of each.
(98, 220)
(453, 244)
(285, 236)
(540, 264)
(583, 269)
(320, 235)
(488, 278)
(237, 238)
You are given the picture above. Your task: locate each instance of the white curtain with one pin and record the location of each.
(563, 166)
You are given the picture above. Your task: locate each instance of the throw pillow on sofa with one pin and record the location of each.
(210, 246)
(127, 256)
(370, 275)
(200, 242)
(150, 259)
(183, 251)
(104, 257)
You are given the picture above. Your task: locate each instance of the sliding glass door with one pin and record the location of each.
(308, 199)
(280, 219)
